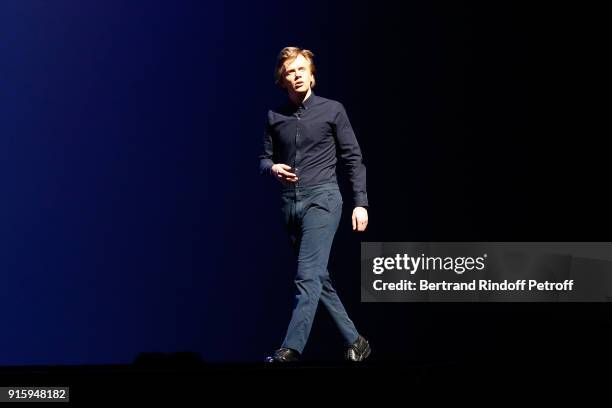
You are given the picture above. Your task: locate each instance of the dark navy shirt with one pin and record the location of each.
(311, 138)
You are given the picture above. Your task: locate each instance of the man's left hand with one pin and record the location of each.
(360, 219)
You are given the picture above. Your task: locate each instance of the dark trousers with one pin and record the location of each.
(311, 216)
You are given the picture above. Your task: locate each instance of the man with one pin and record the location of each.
(301, 140)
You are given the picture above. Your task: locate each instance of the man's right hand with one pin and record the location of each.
(282, 173)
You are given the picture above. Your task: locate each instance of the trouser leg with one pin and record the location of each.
(312, 232)
(333, 304)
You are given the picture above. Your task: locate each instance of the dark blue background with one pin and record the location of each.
(133, 217)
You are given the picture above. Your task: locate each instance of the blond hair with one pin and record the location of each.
(291, 53)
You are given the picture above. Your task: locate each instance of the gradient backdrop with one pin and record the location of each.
(133, 218)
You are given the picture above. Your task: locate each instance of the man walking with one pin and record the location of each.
(303, 140)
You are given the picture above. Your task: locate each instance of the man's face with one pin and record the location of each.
(297, 77)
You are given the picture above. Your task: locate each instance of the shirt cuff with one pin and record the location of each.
(265, 166)
(360, 199)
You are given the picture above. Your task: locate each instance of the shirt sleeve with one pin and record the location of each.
(267, 151)
(350, 157)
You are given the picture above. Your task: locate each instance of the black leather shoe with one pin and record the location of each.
(358, 351)
(283, 355)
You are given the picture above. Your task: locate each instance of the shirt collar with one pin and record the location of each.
(307, 104)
